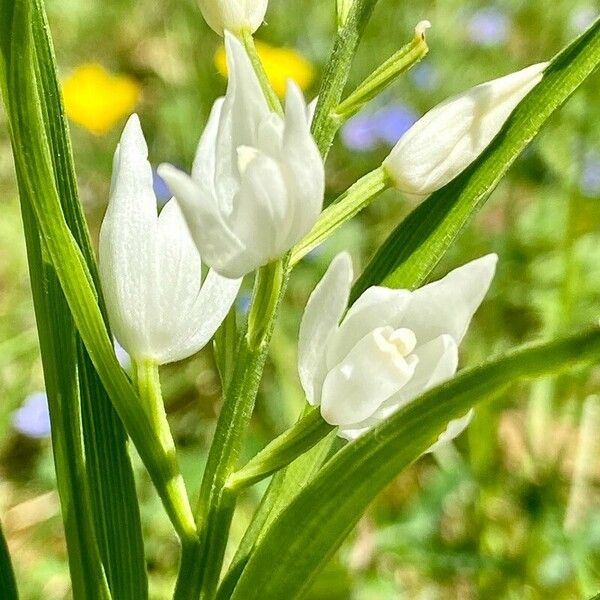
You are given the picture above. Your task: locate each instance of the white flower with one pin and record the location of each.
(234, 15)
(258, 179)
(150, 268)
(390, 347)
(452, 135)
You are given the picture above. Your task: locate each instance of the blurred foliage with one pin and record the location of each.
(484, 519)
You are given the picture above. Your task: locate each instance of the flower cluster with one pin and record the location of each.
(256, 189)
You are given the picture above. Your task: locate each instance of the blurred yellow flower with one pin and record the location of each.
(98, 100)
(280, 64)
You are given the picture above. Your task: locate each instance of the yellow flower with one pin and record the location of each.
(280, 65)
(98, 100)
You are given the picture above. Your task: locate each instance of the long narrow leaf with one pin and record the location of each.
(57, 337)
(109, 470)
(411, 252)
(308, 532)
(8, 585)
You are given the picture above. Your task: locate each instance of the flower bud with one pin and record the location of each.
(234, 15)
(451, 136)
(389, 348)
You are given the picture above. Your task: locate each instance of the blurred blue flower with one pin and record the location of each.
(392, 122)
(243, 302)
(425, 76)
(589, 183)
(161, 189)
(581, 18)
(488, 27)
(365, 131)
(122, 355)
(358, 134)
(33, 418)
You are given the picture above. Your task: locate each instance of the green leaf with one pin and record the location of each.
(59, 358)
(307, 533)
(112, 487)
(411, 252)
(37, 186)
(57, 338)
(8, 585)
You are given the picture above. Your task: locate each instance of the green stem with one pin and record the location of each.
(266, 298)
(326, 123)
(147, 380)
(349, 204)
(403, 60)
(307, 432)
(215, 506)
(272, 99)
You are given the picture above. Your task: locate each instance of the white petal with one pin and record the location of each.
(217, 244)
(370, 374)
(127, 249)
(454, 429)
(234, 15)
(205, 316)
(450, 137)
(304, 169)
(437, 362)
(204, 167)
(448, 305)
(260, 216)
(244, 109)
(179, 278)
(323, 312)
(377, 307)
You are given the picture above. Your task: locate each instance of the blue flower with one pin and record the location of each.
(392, 122)
(33, 418)
(581, 18)
(161, 189)
(425, 76)
(243, 302)
(366, 131)
(488, 27)
(358, 134)
(589, 183)
(122, 356)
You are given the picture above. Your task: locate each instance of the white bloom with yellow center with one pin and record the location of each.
(389, 348)
(258, 178)
(151, 272)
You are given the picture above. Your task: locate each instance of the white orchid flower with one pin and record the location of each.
(451, 136)
(150, 269)
(234, 15)
(258, 179)
(389, 348)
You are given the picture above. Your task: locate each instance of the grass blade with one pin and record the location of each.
(109, 470)
(8, 585)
